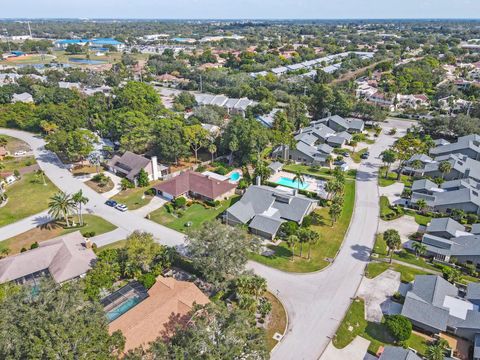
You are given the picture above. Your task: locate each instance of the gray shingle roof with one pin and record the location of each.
(266, 224)
(445, 225)
(473, 291)
(423, 184)
(476, 346)
(398, 353)
(130, 163)
(476, 229)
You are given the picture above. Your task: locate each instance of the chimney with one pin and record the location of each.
(154, 168)
(258, 180)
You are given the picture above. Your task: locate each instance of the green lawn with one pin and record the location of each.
(115, 245)
(386, 213)
(412, 259)
(392, 178)
(419, 219)
(354, 324)
(380, 246)
(278, 320)
(134, 198)
(196, 214)
(357, 156)
(51, 230)
(321, 172)
(407, 273)
(12, 164)
(26, 197)
(331, 238)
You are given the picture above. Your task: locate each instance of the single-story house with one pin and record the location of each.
(129, 165)
(196, 185)
(462, 167)
(168, 299)
(465, 248)
(434, 305)
(8, 177)
(265, 209)
(63, 258)
(445, 227)
(275, 167)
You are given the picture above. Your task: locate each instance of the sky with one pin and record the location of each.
(240, 9)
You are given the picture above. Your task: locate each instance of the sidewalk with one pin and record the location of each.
(23, 225)
(156, 203)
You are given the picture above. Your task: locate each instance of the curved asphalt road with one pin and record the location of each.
(316, 303)
(63, 179)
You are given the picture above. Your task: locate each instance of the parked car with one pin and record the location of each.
(346, 154)
(121, 207)
(20, 153)
(365, 155)
(339, 162)
(111, 203)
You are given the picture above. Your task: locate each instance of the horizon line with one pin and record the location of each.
(241, 19)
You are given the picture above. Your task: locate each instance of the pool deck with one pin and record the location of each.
(313, 185)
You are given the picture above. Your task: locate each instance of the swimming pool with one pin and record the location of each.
(235, 176)
(284, 181)
(86, 61)
(123, 308)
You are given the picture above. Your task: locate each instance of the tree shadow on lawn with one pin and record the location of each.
(378, 332)
(280, 252)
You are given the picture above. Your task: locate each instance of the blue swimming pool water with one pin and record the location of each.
(235, 176)
(122, 308)
(86, 61)
(290, 183)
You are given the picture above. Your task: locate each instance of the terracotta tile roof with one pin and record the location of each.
(197, 183)
(168, 298)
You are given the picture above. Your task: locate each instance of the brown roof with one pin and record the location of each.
(167, 299)
(65, 257)
(3, 151)
(130, 163)
(197, 183)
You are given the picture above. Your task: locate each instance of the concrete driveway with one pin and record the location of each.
(405, 225)
(392, 192)
(356, 350)
(377, 292)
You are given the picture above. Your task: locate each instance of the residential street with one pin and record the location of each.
(317, 302)
(64, 180)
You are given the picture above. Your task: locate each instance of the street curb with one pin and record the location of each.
(286, 325)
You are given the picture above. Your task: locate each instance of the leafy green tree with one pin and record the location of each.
(142, 254)
(451, 274)
(105, 272)
(135, 130)
(61, 205)
(399, 327)
(422, 205)
(142, 178)
(72, 145)
(185, 101)
(250, 287)
(79, 199)
(214, 330)
(56, 323)
(138, 96)
(219, 251)
(262, 170)
(170, 141)
(196, 137)
(408, 146)
(393, 241)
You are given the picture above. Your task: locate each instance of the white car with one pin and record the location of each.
(121, 207)
(20, 153)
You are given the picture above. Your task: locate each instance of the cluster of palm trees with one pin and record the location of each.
(249, 290)
(302, 236)
(62, 205)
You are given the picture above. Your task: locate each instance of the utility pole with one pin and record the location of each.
(201, 83)
(29, 29)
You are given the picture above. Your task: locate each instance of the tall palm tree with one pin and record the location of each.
(393, 241)
(422, 205)
(79, 200)
(329, 161)
(312, 240)
(292, 240)
(60, 206)
(299, 178)
(419, 248)
(212, 149)
(435, 352)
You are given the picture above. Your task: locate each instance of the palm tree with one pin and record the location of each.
(445, 167)
(312, 240)
(419, 248)
(79, 200)
(353, 144)
(393, 241)
(292, 240)
(388, 158)
(212, 149)
(435, 352)
(262, 170)
(60, 206)
(41, 174)
(416, 165)
(299, 178)
(422, 205)
(334, 212)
